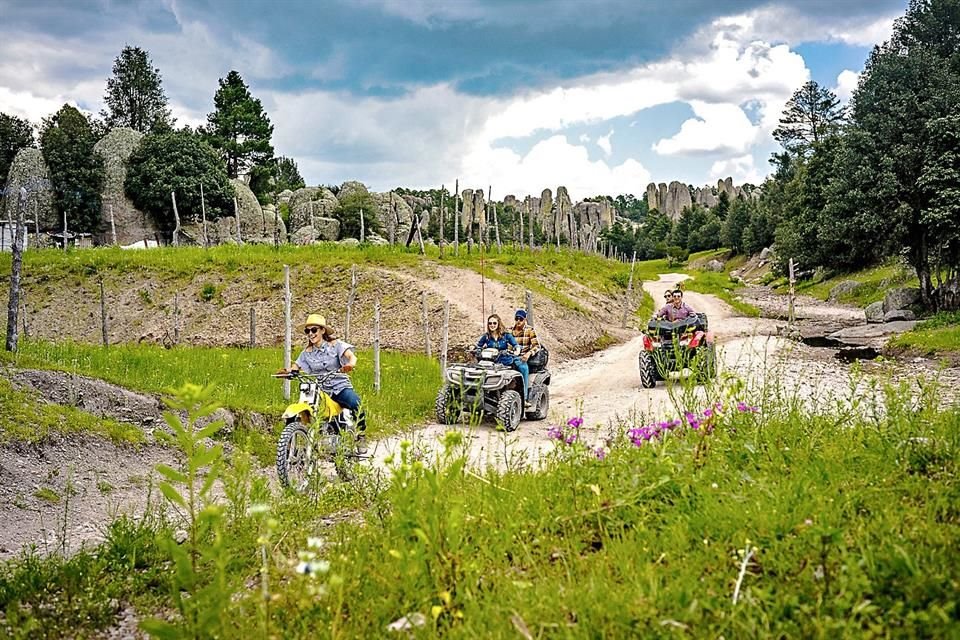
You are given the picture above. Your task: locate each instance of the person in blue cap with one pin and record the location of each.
(527, 340)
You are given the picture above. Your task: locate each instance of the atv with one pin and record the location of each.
(487, 388)
(675, 346)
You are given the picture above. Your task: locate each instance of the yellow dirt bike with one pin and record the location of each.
(316, 430)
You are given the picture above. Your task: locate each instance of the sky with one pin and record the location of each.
(600, 96)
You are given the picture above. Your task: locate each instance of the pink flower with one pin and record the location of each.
(600, 453)
(575, 422)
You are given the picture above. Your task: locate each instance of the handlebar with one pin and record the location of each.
(297, 374)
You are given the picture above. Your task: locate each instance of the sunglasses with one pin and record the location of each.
(491, 324)
(312, 330)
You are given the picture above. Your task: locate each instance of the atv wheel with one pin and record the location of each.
(542, 408)
(509, 410)
(295, 457)
(708, 363)
(648, 370)
(447, 405)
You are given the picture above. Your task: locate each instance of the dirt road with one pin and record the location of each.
(604, 389)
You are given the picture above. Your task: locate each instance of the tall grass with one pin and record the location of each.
(409, 382)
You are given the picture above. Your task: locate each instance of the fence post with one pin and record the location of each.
(236, 215)
(363, 229)
(376, 346)
(790, 314)
(529, 304)
(203, 213)
(113, 227)
(443, 202)
(288, 329)
(176, 218)
(350, 299)
(16, 265)
(426, 325)
(628, 301)
(103, 316)
(456, 218)
(176, 317)
(445, 344)
(253, 327)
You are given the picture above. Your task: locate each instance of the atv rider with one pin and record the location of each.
(496, 338)
(529, 345)
(326, 353)
(677, 309)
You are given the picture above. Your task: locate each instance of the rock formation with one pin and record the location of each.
(254, 226)
(309, 203)
(474, 214)
(131, 224)
(394, 216)
(29, 171)
(671, 199)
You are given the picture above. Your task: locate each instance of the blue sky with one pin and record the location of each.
(601, 96)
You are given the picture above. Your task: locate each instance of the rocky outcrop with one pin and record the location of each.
(843, 289)
(394, 216)
(308, 203)
(902, 298)
(874, 312)
(131, 224)
(473, 218)
(669, 200)
(254, 226)
(29, 171)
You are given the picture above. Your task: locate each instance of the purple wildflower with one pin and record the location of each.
(570, 439)
(555, 433)
(575, 422)
(744, 407)
(690, 417)
(708, 413)
(600, 453)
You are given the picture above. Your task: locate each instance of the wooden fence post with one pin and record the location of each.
(176, 219)
(627, 303)
(350, 300)
(456, 218)
(236, 215)
(443, 193)
(16, 264)
(113, 227)
(529, 304)
(176, 317)
(103, 316)
(253, 327)
(790, 314)
(363, 230)
(203, 213)
(445, 344)
(419, 235)
(376, 346)
(288, 328)
(426, 322)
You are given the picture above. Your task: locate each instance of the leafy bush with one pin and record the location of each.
(178, 162)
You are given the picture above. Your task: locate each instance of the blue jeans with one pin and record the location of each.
(349, 399)
(524, 370)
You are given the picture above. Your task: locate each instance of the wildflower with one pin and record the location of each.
(600, 453)
(570, 439)
(744, 407)
(690, 417)
(576, 423)
(555, 433)
(708, 413)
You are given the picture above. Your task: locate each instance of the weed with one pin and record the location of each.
(47, 495)
(208, 291)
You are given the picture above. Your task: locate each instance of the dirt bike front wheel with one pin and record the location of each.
(295, 457)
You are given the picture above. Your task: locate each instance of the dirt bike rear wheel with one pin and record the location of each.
(295, 457)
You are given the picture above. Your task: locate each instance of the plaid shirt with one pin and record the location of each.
(527, 339)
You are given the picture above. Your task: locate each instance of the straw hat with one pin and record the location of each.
(314, 320)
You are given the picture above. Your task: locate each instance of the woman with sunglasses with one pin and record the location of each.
(325, 353)
(496, 337)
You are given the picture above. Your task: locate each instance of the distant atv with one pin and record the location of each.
(675, 346)
(487, 388)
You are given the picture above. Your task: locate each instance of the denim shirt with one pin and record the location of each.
(486, 340)
(329, 357)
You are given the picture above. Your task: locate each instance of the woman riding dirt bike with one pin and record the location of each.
(316, 429)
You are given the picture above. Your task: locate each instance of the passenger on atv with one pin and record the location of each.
(676, 309)
(496, 338)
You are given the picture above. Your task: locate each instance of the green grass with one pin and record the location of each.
(24, 418)
(409, 382)
(850, 519)
(875, 282)
(721, 286)
(939, 335)
(47, 495)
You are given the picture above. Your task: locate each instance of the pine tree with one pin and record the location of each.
(238, 128)
(135, 96)
(812, 114)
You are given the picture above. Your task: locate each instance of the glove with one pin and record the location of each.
(282, 372)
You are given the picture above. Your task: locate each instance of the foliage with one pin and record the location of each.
(348, 213)
(135, 96)
(238, 128)
(812, 114)
(273, 177)
(630, 207)
(177, 162)
(737, 221)
(76, 171)
(15, 134)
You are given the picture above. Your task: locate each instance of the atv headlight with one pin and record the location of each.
(492, 381)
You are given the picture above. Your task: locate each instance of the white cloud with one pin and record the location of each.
(846, 83)
(719, 128)
(780, 23)
(584, 138)
(741, 169)
(604, 143)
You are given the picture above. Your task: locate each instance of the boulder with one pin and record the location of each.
(350, 187)
(284, 196)
(327, 228)
(714, 265)
(900, 298)
(131, 224)
(29, 171)
(678, 198)
(304, 236)
(254, 226)
(899, 314)
(374, 238)
(844, 288)
(394, 215)
(349, 242)
(653, 197)
(308, 203)
(874, 312)
(766, 253)
(869, 334)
